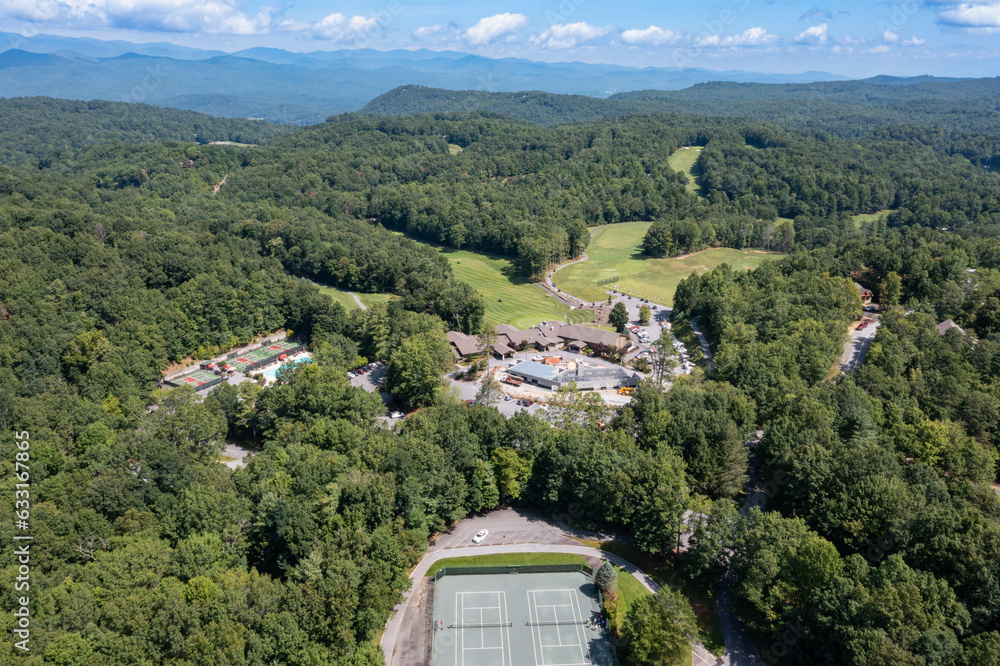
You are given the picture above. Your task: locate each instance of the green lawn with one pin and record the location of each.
(454, 148)
(869, 217)
(629, 589)
(509, 298)
(502, 559)
(684, 160)
(345, 299)
(615, 250)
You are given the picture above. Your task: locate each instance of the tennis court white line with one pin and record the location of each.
(579, 628)
(458, 615)
(460, 608)
(506, 618)
(533, 607)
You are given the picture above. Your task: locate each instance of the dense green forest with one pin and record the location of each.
(844, 108)
(881, 539)
(32, 128)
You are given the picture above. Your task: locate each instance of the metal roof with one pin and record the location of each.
(536, 370)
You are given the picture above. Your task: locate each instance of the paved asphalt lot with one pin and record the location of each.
(507, 527)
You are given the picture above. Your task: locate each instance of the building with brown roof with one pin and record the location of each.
(465, 345)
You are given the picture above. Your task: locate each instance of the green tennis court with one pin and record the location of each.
(261, 354)
(516, 619)
(197, 379)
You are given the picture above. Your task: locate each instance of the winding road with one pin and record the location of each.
(703, 341)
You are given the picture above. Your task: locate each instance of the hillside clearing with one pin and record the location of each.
(345, 299)
(615, 251)
(510, 299)
(685, 160)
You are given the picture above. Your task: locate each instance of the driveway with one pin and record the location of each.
(238, 452)
(857, 344)
(511, 531)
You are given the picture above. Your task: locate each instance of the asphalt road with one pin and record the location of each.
(857, 344)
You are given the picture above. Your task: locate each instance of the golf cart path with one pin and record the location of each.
(357, 300)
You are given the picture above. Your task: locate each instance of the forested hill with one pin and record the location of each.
(33, 127)
(846, 108)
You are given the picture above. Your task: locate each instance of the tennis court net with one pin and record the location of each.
(479, 625)
(552, 623)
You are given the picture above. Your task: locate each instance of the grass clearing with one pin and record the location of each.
(454, 148)
(615, 249)
(868, 218)
(685, 160)
(347, 301)
(510, 299)
(501, 559)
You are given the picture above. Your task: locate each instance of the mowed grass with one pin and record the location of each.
(630, 589)
(684, 160)
(866, 218)
(509, 299)
(615, 250)
(504, 559)
(454, 148)
(345, 299)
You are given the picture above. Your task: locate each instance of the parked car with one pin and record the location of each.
(396, 415)
(470, 402)
(480, 535)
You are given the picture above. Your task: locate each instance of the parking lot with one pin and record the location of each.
(645, 336)
(506, 526)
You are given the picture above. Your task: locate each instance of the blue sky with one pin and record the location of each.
(907, 37)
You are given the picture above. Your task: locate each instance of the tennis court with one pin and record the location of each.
(261, 355)
(515, 619)
(197, 379)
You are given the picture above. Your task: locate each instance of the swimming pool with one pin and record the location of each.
(271, 372)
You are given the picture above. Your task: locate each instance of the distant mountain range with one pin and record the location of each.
(845, 108)
(282, 86)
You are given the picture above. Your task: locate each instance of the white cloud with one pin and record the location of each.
(817, 34)
(568, 35)
(650, 35)
(881, 48)
(758, 36)
(982, 17)
(201, 16)
(428, 30)
(491, 27)
(913, 41)
(339, 28)
(890, 36)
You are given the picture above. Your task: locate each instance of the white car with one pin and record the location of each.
(396, 415)
(480, 535)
